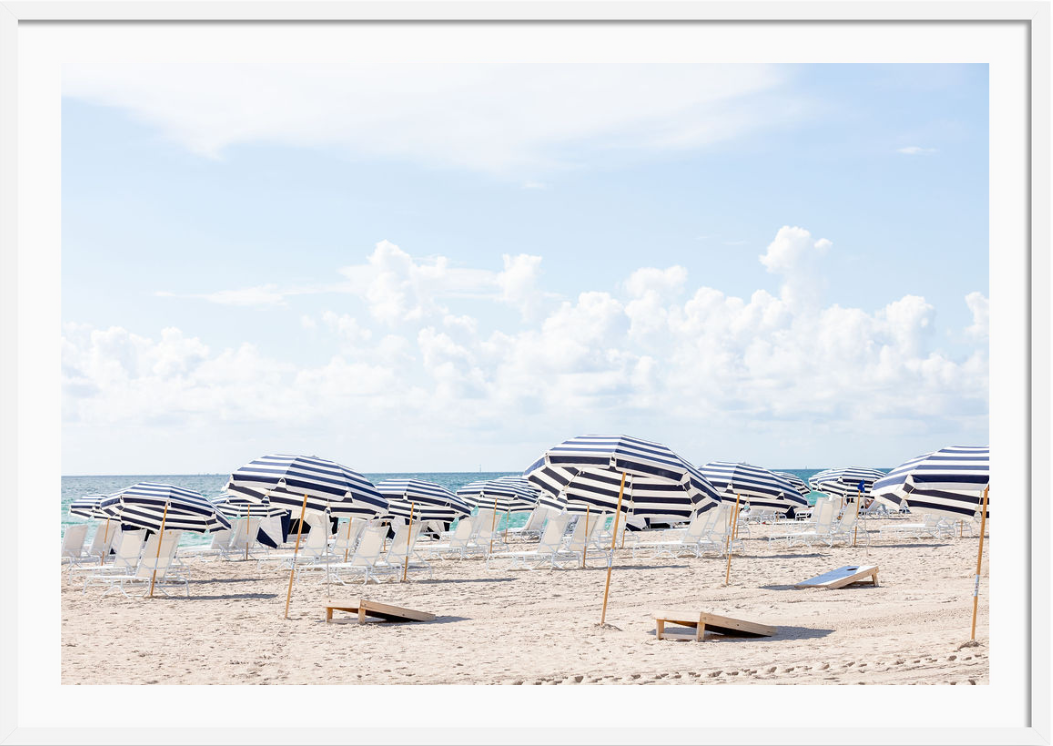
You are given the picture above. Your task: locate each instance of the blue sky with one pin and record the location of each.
(449, 267)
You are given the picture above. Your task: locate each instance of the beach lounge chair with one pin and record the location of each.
(484, 529)
(219, 546)
(315, 546)
(403, 548)
(457, 543)
(346, 538)
(547, 548)
(932, 526)
(367, 562)
(163, 562)
(849, 527)
(677, 541)
(823, 528)
(534, 526)
(73, 544)
(102, 540)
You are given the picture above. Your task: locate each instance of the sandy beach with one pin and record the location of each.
(502, 626)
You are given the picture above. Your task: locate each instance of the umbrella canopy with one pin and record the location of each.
(530, 493)
(847, 482)
(498, 495)
(87, 506)
(430, 501)
(234, 505)
(795, 481)
(949, 481)
(586, 472)
(147, 504)
(758, 486)
(328, 486)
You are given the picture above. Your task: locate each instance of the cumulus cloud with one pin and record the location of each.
(261, 295)
(494, 117)
(794, 255)
(979, 306)
(654, 342)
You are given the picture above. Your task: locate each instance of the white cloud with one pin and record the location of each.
(654, 343)
(794, 255)
(493, 117)
(915, 150)
(980, 307)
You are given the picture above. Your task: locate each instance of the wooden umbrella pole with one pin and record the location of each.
(855, 527)
(347, 546)
(409, 535)
(248, 527)
(105, 542)
(979, 562)
(296, 548)
(586, 547)
(493, 525)
(157, 558)
(610, 563)
(727, 546)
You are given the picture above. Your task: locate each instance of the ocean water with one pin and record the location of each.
(211, 485)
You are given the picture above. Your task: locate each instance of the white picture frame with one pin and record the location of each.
(18, 350)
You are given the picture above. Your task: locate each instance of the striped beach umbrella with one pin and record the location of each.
(758, 486)
(87, 506)
(312, 484)
(622, 474)
(426, 500)
(950, 481)
(315, 485)
(795, 481)
(847, 482)
(755, 484)
(157, 507)
(500, 495)
(272, 529)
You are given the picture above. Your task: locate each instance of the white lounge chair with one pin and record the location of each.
(932, 526)
(677, 541)
(402, 553)
(125, 560)
(156, 567)
(825, 512)
(102, 540)
(535, 524)
(458, 542)
(346, 538)
(366, 563)
(73, 544)
(547, 549)
(315, 546)
(218, 547)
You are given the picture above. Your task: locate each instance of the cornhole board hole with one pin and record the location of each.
(705, 622)
(841, 577)
(378, 611)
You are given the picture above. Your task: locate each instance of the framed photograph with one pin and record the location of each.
(369, 355)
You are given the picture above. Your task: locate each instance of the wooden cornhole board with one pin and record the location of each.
(703, 622)
(375, 609)
(841, 577)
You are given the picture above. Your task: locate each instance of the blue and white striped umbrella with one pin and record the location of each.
(753, 484)
(949, 481)
(847, 482)
(146, 504)
(429, 501)
(529, 493)
(88, 507)
(329, 487)
(234, 505)
(795, 481)
(585, 473)
(494, 494)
